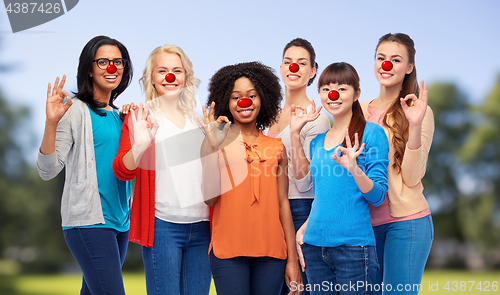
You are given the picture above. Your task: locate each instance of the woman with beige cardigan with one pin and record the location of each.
(402, 223)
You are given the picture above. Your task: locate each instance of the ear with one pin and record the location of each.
(313, 73)
(357, 94)
(90, 74)
(410, 68)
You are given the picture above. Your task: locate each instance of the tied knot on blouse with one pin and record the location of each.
(254, 156)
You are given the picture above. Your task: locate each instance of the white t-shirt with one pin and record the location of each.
(178, 197)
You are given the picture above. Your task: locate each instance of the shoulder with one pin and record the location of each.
(374, 132)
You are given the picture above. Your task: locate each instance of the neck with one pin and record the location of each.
(341, 123)
(247, 130)
(296, 96)
(387, 95)
(103, 97)
(169, 105)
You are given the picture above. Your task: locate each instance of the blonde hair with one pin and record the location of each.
(187, 101)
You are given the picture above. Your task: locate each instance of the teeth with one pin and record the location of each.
(110, 77)
(245, 112)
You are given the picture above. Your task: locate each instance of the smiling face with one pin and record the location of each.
(343, 105)
(243, 87)
(104, 82)
(168, 63)
(298, 79)
(398, 55)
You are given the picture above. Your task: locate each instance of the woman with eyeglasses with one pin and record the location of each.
(83, 135)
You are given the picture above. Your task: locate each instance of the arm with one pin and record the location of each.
(292, 270)
(57, 139)
(373, 181)
(300, 240)
(300, 161)
(421, 130)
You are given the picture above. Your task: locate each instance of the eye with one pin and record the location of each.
(342, 89)
(235, 97)
(102, 62)
(162, 71)
(380, 58)
(326, 89)
(286, 62)
(178, 71)
(252, 96)
(118, 62)
(396, 60)
(303, 64)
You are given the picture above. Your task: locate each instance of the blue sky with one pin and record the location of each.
(456, 41)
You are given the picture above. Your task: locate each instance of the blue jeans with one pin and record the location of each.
(247, 275)
(402, 250)
(340, 270)
(178, 261)
(300, 212)
(100, 253)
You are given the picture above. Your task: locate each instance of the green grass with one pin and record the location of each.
(135, 283)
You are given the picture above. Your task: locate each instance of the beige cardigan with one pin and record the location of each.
(405, 188)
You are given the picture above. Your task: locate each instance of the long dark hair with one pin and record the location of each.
(399, 125)
(344, 73)
(303, 43)
(85, 82)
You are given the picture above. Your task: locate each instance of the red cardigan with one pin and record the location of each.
(142, 213)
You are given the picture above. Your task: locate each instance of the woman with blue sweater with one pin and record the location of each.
(337, 240)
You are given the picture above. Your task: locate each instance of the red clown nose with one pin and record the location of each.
(170, 77)
(333, 95)
(387, 65)
(294, 68)
(111, 69)
(244, 102)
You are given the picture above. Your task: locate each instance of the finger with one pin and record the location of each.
(319, 109)
(134, 120)
(60, 88)
(204, 109)
(155, 125)
(226, 128)
(140, 115)
(222, 119)
(347, 139)
(361, 148)
(356, 142)
(336, 152)
(292, 110)
(68, 103)
(211, 112)
(64, 94)
(48, 92)
(313, 106)
(404, 105)
(55, 86)
(301, 257)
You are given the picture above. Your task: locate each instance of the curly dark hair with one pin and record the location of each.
(262, 77)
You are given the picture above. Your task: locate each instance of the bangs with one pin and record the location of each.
(339, 73)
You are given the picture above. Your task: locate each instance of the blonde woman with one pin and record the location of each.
(160, 147)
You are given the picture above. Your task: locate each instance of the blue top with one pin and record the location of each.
(340, 213)
(114, 193)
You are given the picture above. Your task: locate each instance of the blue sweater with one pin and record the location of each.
(340, 213)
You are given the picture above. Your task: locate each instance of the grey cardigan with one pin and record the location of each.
(81, 203)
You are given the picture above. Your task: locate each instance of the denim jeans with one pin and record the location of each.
(300, 212)
(178, 261)
(402, 250)
(247, 275)
(340, 270)
(100, 253)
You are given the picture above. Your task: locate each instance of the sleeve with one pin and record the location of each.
(119, 168)
(49, 166)
(376, 161)
(415, 161)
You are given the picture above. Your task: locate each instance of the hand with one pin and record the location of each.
(55, 106)
(348, 154)
(211, 127)
(145, 127)
(297, 121)
(126, 108)
(299, 239)
(292, 274)
(416, 112)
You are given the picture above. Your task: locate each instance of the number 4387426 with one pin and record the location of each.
(33, 8)
(469, 285)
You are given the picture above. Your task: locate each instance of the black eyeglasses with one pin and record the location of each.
(102, 63)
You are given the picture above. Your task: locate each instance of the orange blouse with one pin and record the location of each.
(246, 220)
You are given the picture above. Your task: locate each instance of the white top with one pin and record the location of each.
(308, 133)
(178, 197)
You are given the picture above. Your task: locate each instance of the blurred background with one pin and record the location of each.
(457, 54)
